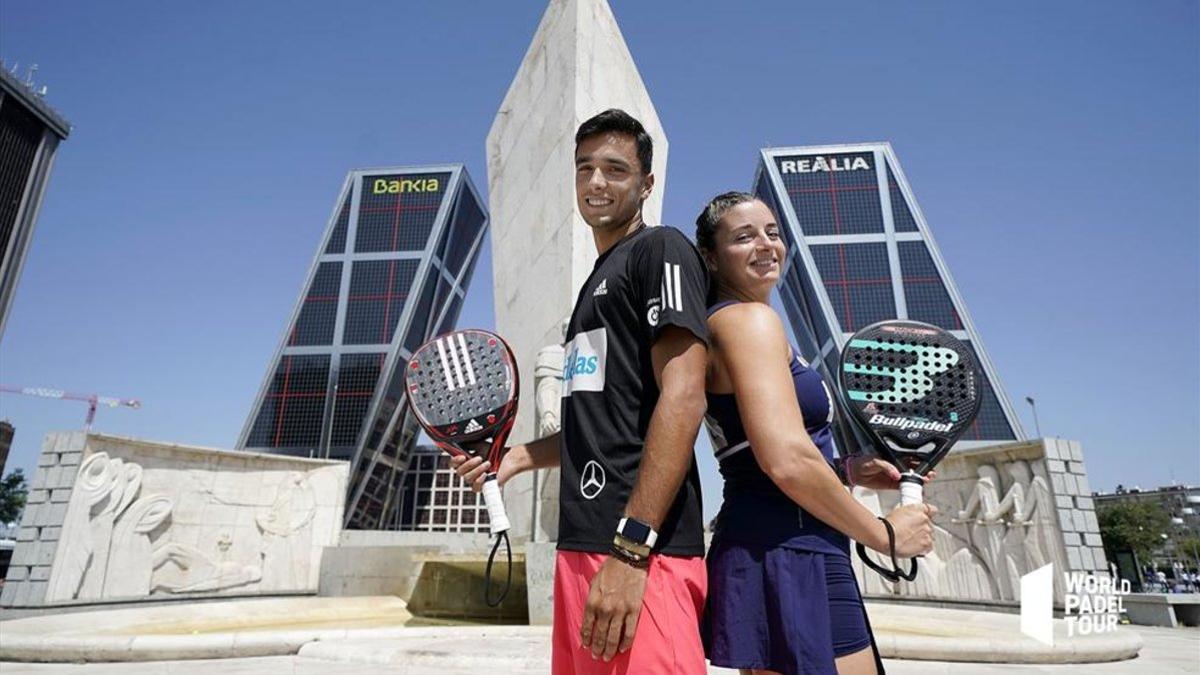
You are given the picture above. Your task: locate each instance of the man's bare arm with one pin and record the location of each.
(614, 603)
(679, 360)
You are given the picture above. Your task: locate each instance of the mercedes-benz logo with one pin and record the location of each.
(592, 481)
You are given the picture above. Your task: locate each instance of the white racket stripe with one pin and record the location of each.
(454, 360)
(462, 342)
(445, 366)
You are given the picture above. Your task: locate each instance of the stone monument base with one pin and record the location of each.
(112, 519)
(539, 579)
(380, 630)
(439, 575)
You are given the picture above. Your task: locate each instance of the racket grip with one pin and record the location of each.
(495, 504)
(912, 490)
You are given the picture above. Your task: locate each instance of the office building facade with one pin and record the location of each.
(860, 251)
(434, 499)
(30, 132)
(391, 272)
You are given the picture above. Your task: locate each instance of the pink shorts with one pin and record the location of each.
(668, 631)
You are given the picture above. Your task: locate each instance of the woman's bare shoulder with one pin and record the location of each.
(746, 321)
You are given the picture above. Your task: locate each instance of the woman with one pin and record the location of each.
(782, 595)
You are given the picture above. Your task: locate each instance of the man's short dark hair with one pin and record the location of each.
(621, 122)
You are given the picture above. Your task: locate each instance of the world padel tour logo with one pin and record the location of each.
(820, 163)
(1092, 604)
(583, 363)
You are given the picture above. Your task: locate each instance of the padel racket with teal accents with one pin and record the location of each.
(913, 389)
(463, 388)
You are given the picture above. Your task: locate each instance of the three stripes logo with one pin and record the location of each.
(670, 294)
(602, 289)
(672, 290)
(456, 361)
(472, 427)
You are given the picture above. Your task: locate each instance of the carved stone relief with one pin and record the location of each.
(996, 522)
(220, 530)
(105, 549)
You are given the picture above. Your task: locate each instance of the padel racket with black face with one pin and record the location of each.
(463, 387)
(913, 389)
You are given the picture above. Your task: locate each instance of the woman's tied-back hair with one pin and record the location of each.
(706, 222)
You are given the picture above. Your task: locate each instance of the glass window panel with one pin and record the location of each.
(318, 313)
(378, 290)
(419, 329)
(991, 424)
(455, 502)
(819, 321)
(466, 226)
(799, 316)
(337, 240)
(358, 375)
(471, 262)
(445, 294)
(451, 319)
(833, 193)
(396, 213)
(294, 405)
(924, 292)
(393, 396)
(20, 136)
(902, 217)
(857, 278)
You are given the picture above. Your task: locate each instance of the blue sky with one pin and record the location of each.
(1054, 148)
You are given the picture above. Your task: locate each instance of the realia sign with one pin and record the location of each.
(822, 163)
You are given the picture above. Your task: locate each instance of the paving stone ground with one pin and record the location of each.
(1167, 651)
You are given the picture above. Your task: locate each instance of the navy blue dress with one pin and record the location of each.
(781, 591)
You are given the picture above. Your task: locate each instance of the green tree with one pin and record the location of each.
(1188, 548)
(1132, 526)
(12, 496)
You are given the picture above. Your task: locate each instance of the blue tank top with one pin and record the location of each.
(755, 510)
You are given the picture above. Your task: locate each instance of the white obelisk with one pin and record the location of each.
(542, 251)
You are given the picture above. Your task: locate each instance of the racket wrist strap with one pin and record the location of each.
(895, 574)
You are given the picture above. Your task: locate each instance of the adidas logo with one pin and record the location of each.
(472, 427)
(602, 289)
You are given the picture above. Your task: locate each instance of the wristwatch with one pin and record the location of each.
(637, 532)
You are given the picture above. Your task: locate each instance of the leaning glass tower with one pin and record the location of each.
(860, 251)
(391, 272)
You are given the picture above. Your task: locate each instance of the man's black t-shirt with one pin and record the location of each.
(651, 279)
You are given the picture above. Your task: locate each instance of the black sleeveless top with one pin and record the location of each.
(755, 510)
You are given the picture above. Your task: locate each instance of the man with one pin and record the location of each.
(629, 578)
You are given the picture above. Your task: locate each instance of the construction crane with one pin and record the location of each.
(93, 400)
